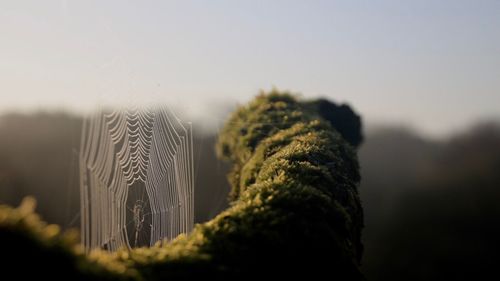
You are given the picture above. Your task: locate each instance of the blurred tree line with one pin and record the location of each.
(431, 207)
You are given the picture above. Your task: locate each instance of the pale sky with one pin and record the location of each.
(434, 65)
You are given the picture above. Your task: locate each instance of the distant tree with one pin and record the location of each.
(341, 117)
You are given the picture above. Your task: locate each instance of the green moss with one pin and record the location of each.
(32, 248)
(295, 207)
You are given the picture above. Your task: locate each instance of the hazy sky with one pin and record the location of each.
(432, 64)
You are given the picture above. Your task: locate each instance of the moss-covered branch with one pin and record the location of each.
(295, 208)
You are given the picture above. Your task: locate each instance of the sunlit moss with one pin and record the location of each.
(295, 208)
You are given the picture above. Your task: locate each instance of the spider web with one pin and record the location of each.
(136, 178)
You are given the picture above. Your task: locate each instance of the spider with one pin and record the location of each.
(138, 218)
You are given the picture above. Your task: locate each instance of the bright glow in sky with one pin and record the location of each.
(432, 64)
